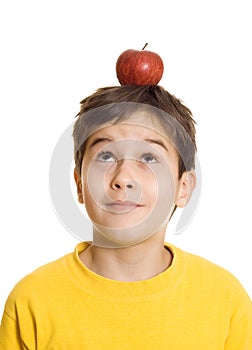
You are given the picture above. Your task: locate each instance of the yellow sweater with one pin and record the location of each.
(194, 305)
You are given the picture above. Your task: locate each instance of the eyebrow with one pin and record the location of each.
(157, 142)
(100, 140)
(107, 139)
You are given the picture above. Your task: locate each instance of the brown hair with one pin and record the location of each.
(114, 104)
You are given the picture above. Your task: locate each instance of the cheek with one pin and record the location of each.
(150, 189)
(166, 187)
(93, 181)
(87, 197)
(91, 205)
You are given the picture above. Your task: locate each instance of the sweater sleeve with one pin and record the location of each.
(9, 334)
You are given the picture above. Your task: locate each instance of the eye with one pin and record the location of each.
(149, 158)
(105, 157)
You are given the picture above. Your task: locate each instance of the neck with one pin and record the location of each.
(134, 263)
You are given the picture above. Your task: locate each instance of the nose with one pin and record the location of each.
(123, 176)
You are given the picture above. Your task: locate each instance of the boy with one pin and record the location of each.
(127, 289)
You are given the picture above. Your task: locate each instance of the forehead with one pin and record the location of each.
(139, 125)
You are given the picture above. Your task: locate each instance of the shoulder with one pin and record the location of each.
(53, 276)
(208, 275)
(46, 284)
(38, 282)
(203, 266)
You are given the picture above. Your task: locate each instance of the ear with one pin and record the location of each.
(186, 186)
(79, 187)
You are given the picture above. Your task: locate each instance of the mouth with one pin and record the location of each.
(122, 206)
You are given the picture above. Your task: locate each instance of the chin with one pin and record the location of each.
(121, 237)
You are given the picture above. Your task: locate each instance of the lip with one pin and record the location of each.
(122, 206)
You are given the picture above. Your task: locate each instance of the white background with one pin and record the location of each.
(54, 53)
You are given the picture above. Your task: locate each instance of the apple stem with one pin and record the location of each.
(144, 46)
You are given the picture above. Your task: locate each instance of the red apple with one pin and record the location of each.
(134, 67)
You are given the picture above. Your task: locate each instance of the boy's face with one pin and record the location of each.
(129, 182)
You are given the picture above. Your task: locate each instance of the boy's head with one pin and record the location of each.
(93, 115)
(117, 124)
